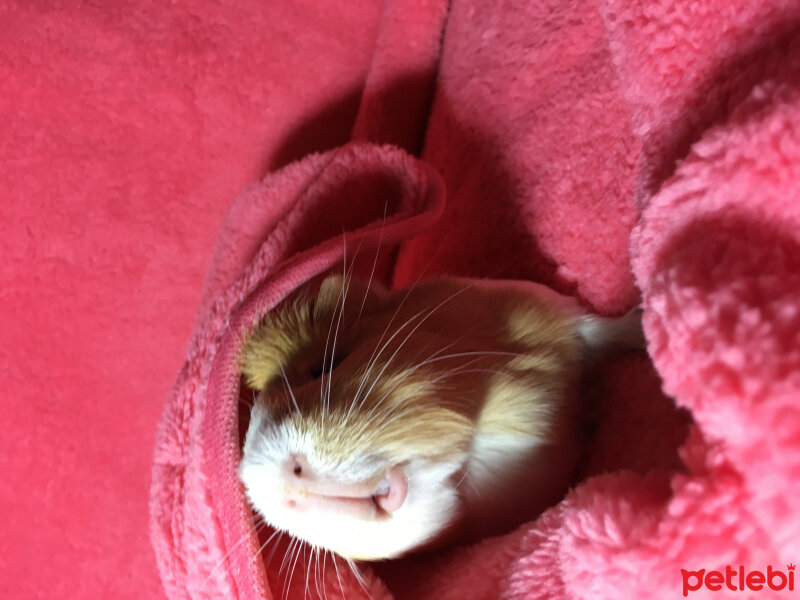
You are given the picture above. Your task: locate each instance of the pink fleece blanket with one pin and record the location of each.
(598, 147)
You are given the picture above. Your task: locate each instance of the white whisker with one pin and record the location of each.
(418, 325)
(406, 373)
(373, 361)
(338, 575)
(280, 533)
(254, 527)
(295, 557)
(374, 262)
(287, 553)
(328, 338)
(359, 577)
(289, 389)
(343, 295)
(308, 569)
(374, 357)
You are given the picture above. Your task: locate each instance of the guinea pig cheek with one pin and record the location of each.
(391, 493)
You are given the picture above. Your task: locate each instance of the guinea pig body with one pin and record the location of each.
(391, 421)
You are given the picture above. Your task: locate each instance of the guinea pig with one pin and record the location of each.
(391, 421)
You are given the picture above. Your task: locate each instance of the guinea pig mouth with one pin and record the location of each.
(360, 500)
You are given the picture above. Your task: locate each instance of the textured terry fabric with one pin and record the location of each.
(620, 151)
(126, 129)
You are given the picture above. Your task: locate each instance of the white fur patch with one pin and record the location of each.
(430, 505)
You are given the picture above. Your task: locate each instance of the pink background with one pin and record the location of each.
(127, 130)
(558, 127)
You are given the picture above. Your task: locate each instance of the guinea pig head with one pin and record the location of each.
(349, 445)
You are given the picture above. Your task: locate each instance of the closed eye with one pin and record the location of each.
(319, 370)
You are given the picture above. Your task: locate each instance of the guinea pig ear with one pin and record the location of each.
(329, 295)
(358, 297)
(261, 357)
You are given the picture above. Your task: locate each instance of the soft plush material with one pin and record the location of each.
(126, 129)
(554, 129)
(623, 152)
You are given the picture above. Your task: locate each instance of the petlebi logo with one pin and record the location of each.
(739, 579)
